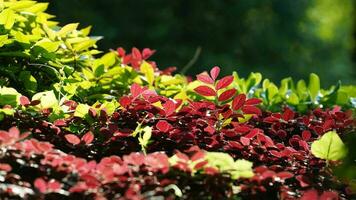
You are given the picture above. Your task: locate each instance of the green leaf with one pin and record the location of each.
(9, 96)
(85, 31)
(110, 106)
(144, 139)
(48, 45)
(147, 133)
(48, 99)
(225, 163)
(7, 18)
(148, 71)
(293, 99)
(29, 82)
(314, 86)
(242, 168)
(84, 45)
(67, 29)
(37, 8)
(108, 59)
(329, 147)
(4, 40)
(20, 5)
(81, 110)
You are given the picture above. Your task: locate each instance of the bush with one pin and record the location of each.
(118, 127)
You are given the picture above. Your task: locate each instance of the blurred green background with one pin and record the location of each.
(276, 37)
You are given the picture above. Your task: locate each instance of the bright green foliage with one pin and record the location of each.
(38, 55)
(36, 50)
(225, 163)
(329, 147)
(299, 95)
(104, 78)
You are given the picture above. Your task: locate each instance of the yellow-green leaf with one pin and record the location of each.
(37, 8)
(48, 99)
(329, 147)
(48, 45)
(314, 86)
(67, 29)
(7, 18)
(81, 110)
(148, 71)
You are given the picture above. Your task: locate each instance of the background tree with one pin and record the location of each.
(277, 38)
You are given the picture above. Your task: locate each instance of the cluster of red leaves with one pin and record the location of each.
(277, 143)
(137, 57)
(33, 169)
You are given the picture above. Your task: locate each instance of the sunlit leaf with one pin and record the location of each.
(329, 147)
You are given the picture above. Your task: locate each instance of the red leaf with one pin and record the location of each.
(5, 167)
(310, 195)
(205, 78)
(121, 52)
(239, 101)
(328, 124)
(304, 145)
(211, 170)
(210, 129)
(198, 155)
(124, 101)
(136, 54)
(205, 91)
(224, 82)
(135, 90)
(54, 185)
(275, 153)
(182, 156)
(200, 165)
(235, 145)
(60, 122)
(270, 119)
(163, 126)
(303, 181)
(24, 101)
(214, 73)
(169, 107)
(253, 101)
(306, 135)
(227, 95)
(14, 132)
(41, 185)
(285, 175)
(73, 139)
(288, 114)
(88, 137)
(146, 53)
(251, 110)
(126, 59)
(329, 195)
(253, 133)
(245, 141)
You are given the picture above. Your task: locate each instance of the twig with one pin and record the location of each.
(192, 61)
